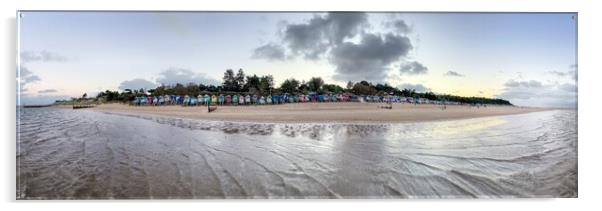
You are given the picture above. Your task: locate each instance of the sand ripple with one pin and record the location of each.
(84, 154)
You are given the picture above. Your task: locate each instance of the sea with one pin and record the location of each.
(88, 154)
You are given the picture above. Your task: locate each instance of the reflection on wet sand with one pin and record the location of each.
(88, 154)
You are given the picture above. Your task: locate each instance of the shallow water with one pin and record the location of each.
(84, 154)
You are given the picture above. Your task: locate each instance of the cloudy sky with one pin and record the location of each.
(529, 59)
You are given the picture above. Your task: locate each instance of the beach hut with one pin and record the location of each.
(222, 99)
(254, 99)
(193, 101)
(268, 99)
(136, 101)
(143, 100)
(186, 100)
(207, 100)
(283, 98)
(201, 99)
(213, 99)
(228, 99)
(248, 99)
(155, 100)
(235, 100)
(161, 100)
(261, 100)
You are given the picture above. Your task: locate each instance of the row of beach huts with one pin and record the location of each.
(274, 99)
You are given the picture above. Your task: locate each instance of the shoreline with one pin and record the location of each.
(349, 112)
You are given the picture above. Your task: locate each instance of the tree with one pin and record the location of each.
(303, 88)
(240, 80)
(252, 84)
(349, 85)
(332, 88)
(266, 84)
(363, 88)
(408, 92)
(180, 89)
(289, 86)
(229, 82)
(315, 84)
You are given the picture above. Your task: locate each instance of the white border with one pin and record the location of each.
(589, 102)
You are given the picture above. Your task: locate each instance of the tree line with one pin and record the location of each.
(239, 83)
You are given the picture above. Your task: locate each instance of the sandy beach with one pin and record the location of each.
(322, 112)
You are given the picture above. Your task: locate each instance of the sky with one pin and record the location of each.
(526, 58)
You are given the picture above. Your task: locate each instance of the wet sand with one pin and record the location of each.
(321, 112)
(85, 154)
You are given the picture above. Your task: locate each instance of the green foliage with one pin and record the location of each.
(315, 84)
(290, 86)
(264, 85)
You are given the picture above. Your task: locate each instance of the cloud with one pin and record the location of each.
(25, 78)
(342, 38)
(558, 73)
(568, 87)
(453, 73)
(43, 56)
(413, 68)
(527, 84)
(417, 87)
(269, 52)
(572, 72)
(317, 35)
(368, 60)
(45, 91)
(173, 75)
(535, 93)
(398, 26)
(137, 84)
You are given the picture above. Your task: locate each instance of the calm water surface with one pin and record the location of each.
(83, 154)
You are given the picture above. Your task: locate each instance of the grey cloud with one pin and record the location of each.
(568, 87)
(531, 83)
(314, 38)
(534, 93)
(326, 36)
(398, 26)
(368, 60)
(44, 56)
(172, 76)
(417, 87)
(26, 77)
(572, 72)
(269, 52)
(558, 73)
(136, 84)
(45, 91)
(413, 68)
(453, 73)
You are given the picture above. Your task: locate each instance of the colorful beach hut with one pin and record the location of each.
(213, 99)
